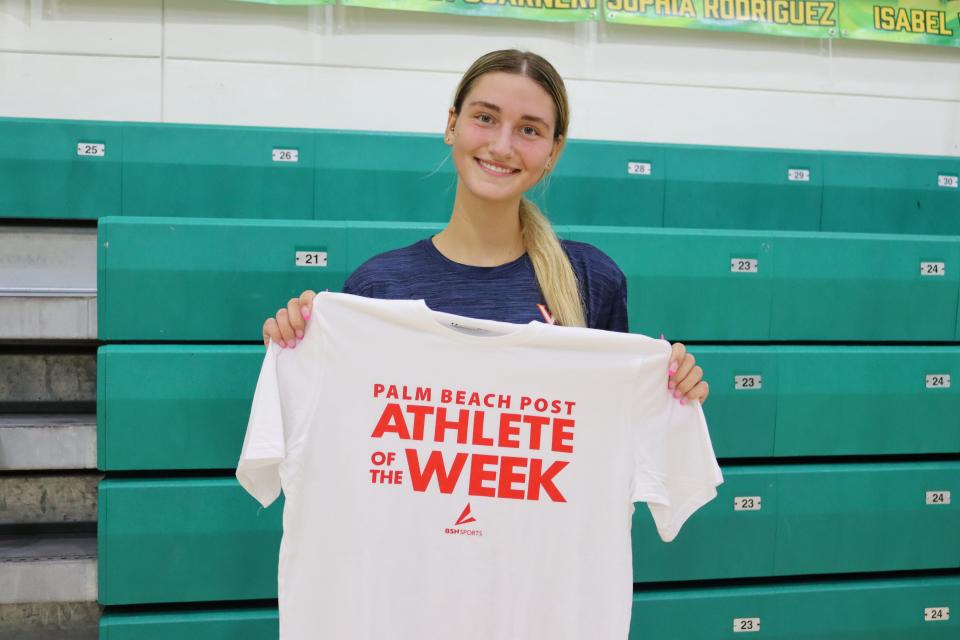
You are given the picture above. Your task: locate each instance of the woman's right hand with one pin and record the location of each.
(290, 322)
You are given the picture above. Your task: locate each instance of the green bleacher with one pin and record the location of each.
(819, 291)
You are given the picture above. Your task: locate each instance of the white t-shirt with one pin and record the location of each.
(448, 477)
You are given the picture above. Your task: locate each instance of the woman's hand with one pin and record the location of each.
(289, 324)
(684, 378)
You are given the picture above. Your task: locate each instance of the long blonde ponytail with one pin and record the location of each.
(552, 267)
(558, 282)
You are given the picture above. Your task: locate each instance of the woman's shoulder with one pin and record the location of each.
(590, 261)
(385, 266)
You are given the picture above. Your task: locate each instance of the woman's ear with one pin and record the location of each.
(558, 145)
(451, 121)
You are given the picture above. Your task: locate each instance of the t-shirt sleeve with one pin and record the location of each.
(617, 318)
(283, 402)
(675, 469)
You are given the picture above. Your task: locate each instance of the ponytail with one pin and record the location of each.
(552, 267)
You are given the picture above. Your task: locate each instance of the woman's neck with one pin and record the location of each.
(480, 232)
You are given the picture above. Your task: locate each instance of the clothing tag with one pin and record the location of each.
(479, 331)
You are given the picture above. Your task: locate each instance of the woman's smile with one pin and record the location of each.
(496, 169)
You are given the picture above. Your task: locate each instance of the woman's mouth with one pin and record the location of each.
(495, 169)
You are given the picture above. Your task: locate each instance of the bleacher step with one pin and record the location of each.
(38, 568)
(48, 499)
(48, 441)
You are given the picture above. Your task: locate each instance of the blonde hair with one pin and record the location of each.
(552, 267)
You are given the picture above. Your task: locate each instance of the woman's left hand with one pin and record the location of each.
(684, 377)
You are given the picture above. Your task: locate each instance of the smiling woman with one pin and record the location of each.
(498, 258)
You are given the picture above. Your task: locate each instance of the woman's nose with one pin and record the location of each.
(501, 144)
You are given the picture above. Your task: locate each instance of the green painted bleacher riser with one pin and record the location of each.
(807, 286)
(890, 194)
(181, 279)
(261, 623)
(229, 171)
(216, 172)
(183, 540)
(833, 400)
(363, 175)
(591, 185)
(724, 188)
(863, 610)
(186, 406)
(42, 176)
(173, 407)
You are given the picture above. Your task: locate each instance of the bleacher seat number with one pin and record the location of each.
(936, 614)
(938, 381)
(933, 268)
(744, 265)
(798, 175)
(741, 625)
(639, 168)
(747, 382)
(286, 155)
(746, 503)
(311, 259)
(94, 149)
(950, 182)
(938, 497)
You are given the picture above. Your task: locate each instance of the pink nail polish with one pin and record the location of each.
(299, 334)
(671, 384)
(283, 344)
(683, 401)
(293, 345)
(676, 394)
(305, 313)
(673, 368)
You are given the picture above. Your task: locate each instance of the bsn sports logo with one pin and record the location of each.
(465, 518)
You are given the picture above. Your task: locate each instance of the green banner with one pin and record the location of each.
(807, 18)
(545, 10)
(914, 21)
(289, 2)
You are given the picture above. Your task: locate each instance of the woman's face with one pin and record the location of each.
(502, 139)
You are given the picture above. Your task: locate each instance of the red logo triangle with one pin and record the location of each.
(465, 516)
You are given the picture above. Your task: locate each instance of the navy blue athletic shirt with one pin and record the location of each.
(507, 292)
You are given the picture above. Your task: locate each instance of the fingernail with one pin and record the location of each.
(283, 344)
(676, 394)
(299, 334)
(293, 345)
(671, 384)
(683, 401)
(305, 313)
(673, 368)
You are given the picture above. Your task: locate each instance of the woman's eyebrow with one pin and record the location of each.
(493, 107)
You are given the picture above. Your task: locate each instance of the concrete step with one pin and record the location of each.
(48, 282)
(54, 382)
(50, 621)
(48, 318)
(48, 499)
(43, 568)
(48, 441)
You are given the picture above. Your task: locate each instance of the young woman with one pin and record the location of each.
(498, 258)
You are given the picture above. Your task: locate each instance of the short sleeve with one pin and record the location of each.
(675, 469)
(617, 318)
(283, 402)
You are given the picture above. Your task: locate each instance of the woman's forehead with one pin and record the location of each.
(511, 93)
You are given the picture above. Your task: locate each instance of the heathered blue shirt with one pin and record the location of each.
(507, 292)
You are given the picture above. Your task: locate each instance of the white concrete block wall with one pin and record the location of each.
(216, 61)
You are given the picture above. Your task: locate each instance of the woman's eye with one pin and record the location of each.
(483, 117)
(530, 131)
